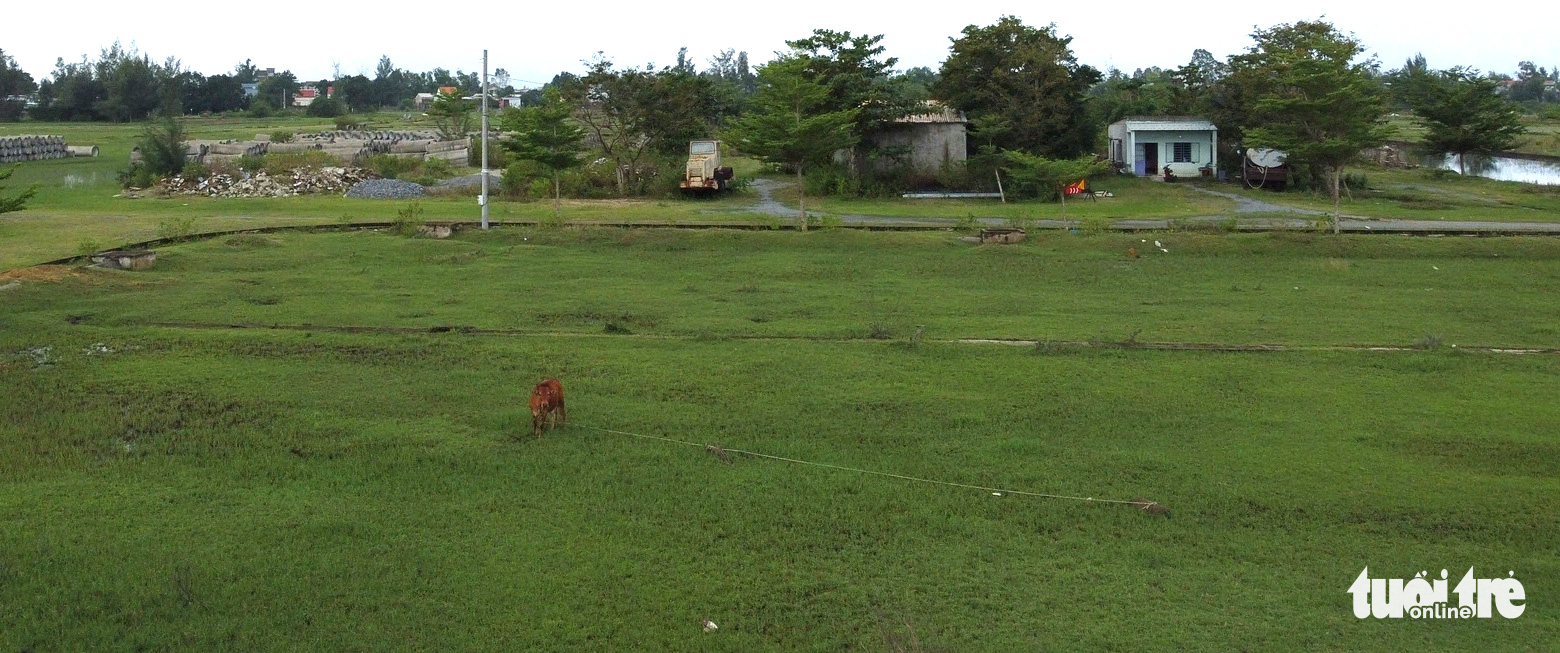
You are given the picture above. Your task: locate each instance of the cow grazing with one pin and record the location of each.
(547, 403)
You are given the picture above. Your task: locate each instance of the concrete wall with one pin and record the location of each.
(1203, 151)
(932, 145)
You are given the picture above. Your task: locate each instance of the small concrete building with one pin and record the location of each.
(932, 139)
(305, 96)
(1188, 146)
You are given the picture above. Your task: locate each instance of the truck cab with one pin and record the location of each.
(704, 172)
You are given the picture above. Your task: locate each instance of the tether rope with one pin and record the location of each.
(843, 468)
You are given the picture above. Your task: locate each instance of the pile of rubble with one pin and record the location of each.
(302, 181)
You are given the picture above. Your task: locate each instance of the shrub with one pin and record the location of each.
(162, 147)
(390, 167)
(283, 163)
(281, 137)
(137, 176)
(498, 157)
(408, 220)
(175, 227)
(196, 171)
(88, 247)
(516, 183)
(539, 187)
(260, 110)
(251, 162)
(347, 123)
(325, 107)
(437, 167)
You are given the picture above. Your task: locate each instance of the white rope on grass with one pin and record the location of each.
(915, 479)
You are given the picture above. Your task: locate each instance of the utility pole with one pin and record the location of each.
(484, 199)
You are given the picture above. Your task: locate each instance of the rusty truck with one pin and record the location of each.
(704, 173)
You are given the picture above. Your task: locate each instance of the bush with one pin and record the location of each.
(436, 167)
(837, 180)
(162, 147)
(260, 110)
(281, 137)
(408, 220)
(283, 163)
(325, 107)
(88, 247)
(347, 123)
(516, 182)
(498, 157)
(251, 162)
(196, 171)
(137, 176)
(391, 167)
(172, 227)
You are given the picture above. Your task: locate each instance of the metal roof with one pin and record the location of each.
(1167, 123)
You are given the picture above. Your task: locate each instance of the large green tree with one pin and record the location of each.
(857, 78)
(277, 90)
(13, 81)
(545, 134)
(1029, 77)
(1463, 115)
(1315, 97)
(791, 122)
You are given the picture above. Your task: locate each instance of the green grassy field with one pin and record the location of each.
(205, 487)
(1542, 134)
(1420, 194)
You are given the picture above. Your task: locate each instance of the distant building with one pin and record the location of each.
(305, 96)
(1147, 145)
(925, 142)
(422, 101)
(251, 89)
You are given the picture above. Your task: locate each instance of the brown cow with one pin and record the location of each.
(547, 402)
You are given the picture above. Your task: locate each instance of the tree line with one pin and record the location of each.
(1304, 87)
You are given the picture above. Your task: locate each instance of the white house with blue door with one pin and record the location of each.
(1188, 146)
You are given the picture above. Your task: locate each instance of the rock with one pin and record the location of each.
(127, 259)
(302, 181)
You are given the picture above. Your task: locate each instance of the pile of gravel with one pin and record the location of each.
(386, 189)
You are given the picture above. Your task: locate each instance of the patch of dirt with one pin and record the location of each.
(42, 274)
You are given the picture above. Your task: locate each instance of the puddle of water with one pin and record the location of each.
(73, 180)
(1502, 168)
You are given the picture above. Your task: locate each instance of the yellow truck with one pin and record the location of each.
(704, 172)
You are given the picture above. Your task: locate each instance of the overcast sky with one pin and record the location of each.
(533, 40)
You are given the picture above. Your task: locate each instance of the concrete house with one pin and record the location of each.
(931, 139)
(1188, 146)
